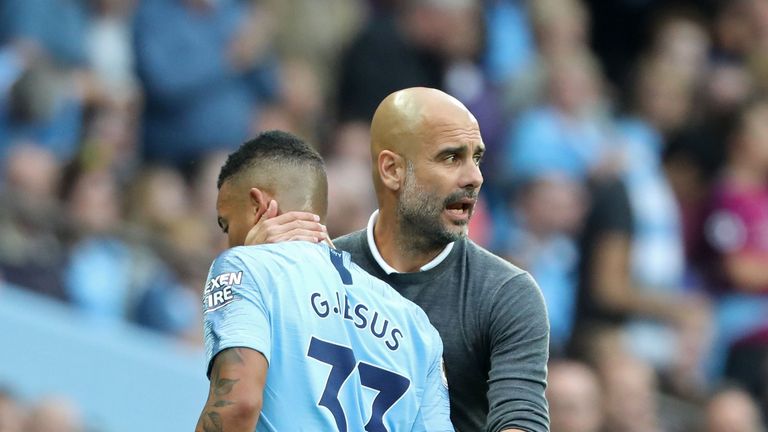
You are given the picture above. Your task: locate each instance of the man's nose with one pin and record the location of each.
(471, 176)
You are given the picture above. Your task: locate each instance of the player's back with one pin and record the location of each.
(345, 350)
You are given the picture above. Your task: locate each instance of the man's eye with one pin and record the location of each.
(450, 158)
(478, 160)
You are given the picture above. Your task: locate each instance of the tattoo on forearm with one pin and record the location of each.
(224, 386)
(212, 421)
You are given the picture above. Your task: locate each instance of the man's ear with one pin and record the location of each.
(391, 169)
(259, 201)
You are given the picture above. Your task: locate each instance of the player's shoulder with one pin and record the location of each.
(239, 254)
(268, 251)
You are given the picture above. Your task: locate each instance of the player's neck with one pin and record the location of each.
(397, 249)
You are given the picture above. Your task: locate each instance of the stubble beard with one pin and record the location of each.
(420, 217)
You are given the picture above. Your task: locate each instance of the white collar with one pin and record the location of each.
(388, 269)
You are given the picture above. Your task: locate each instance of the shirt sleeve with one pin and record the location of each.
(435, 410)
(235, 308)
(519, 353)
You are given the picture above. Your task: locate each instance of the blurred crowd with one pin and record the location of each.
(49, 414)
(626, 167)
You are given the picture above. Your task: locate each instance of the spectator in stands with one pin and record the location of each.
(733, 29)
(299, 106)
(567, 134)
(574, 396)
(739, 212)
(510, 47)
(735, 235)
(630, 394)
(679, 38)
(560, 28)
(205, 80)
(58, 28)
(158, 198)
(662, 99)
(410, 49)
(732, 410)
(181, 244)
(114, 274)
(109, 49)
(48, 97)
(694, 158)
(317, 33)
(610, 296)
(546, 214)
(111, 141)
(31, 253)
(42, 107)
(99, 275)
(755, 21)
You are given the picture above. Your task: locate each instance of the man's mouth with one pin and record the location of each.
(462, 208)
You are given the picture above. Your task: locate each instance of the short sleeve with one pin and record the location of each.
(235, 307)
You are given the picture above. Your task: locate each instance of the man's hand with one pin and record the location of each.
(291, 226)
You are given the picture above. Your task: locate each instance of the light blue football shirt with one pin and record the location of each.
(346, 352)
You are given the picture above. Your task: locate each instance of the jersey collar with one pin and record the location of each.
(388, 269)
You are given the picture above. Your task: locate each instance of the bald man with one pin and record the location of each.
(426, 150)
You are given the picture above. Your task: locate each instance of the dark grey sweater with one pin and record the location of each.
(493, 322)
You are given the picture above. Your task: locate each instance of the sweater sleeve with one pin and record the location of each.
(519, 344)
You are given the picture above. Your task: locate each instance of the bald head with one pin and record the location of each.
(407, 120)
(410, 113)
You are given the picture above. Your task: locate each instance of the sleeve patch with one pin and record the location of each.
(218, 291)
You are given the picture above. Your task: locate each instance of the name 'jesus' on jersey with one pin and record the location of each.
(346, 352)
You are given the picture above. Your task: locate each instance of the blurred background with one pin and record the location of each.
(627, 170)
